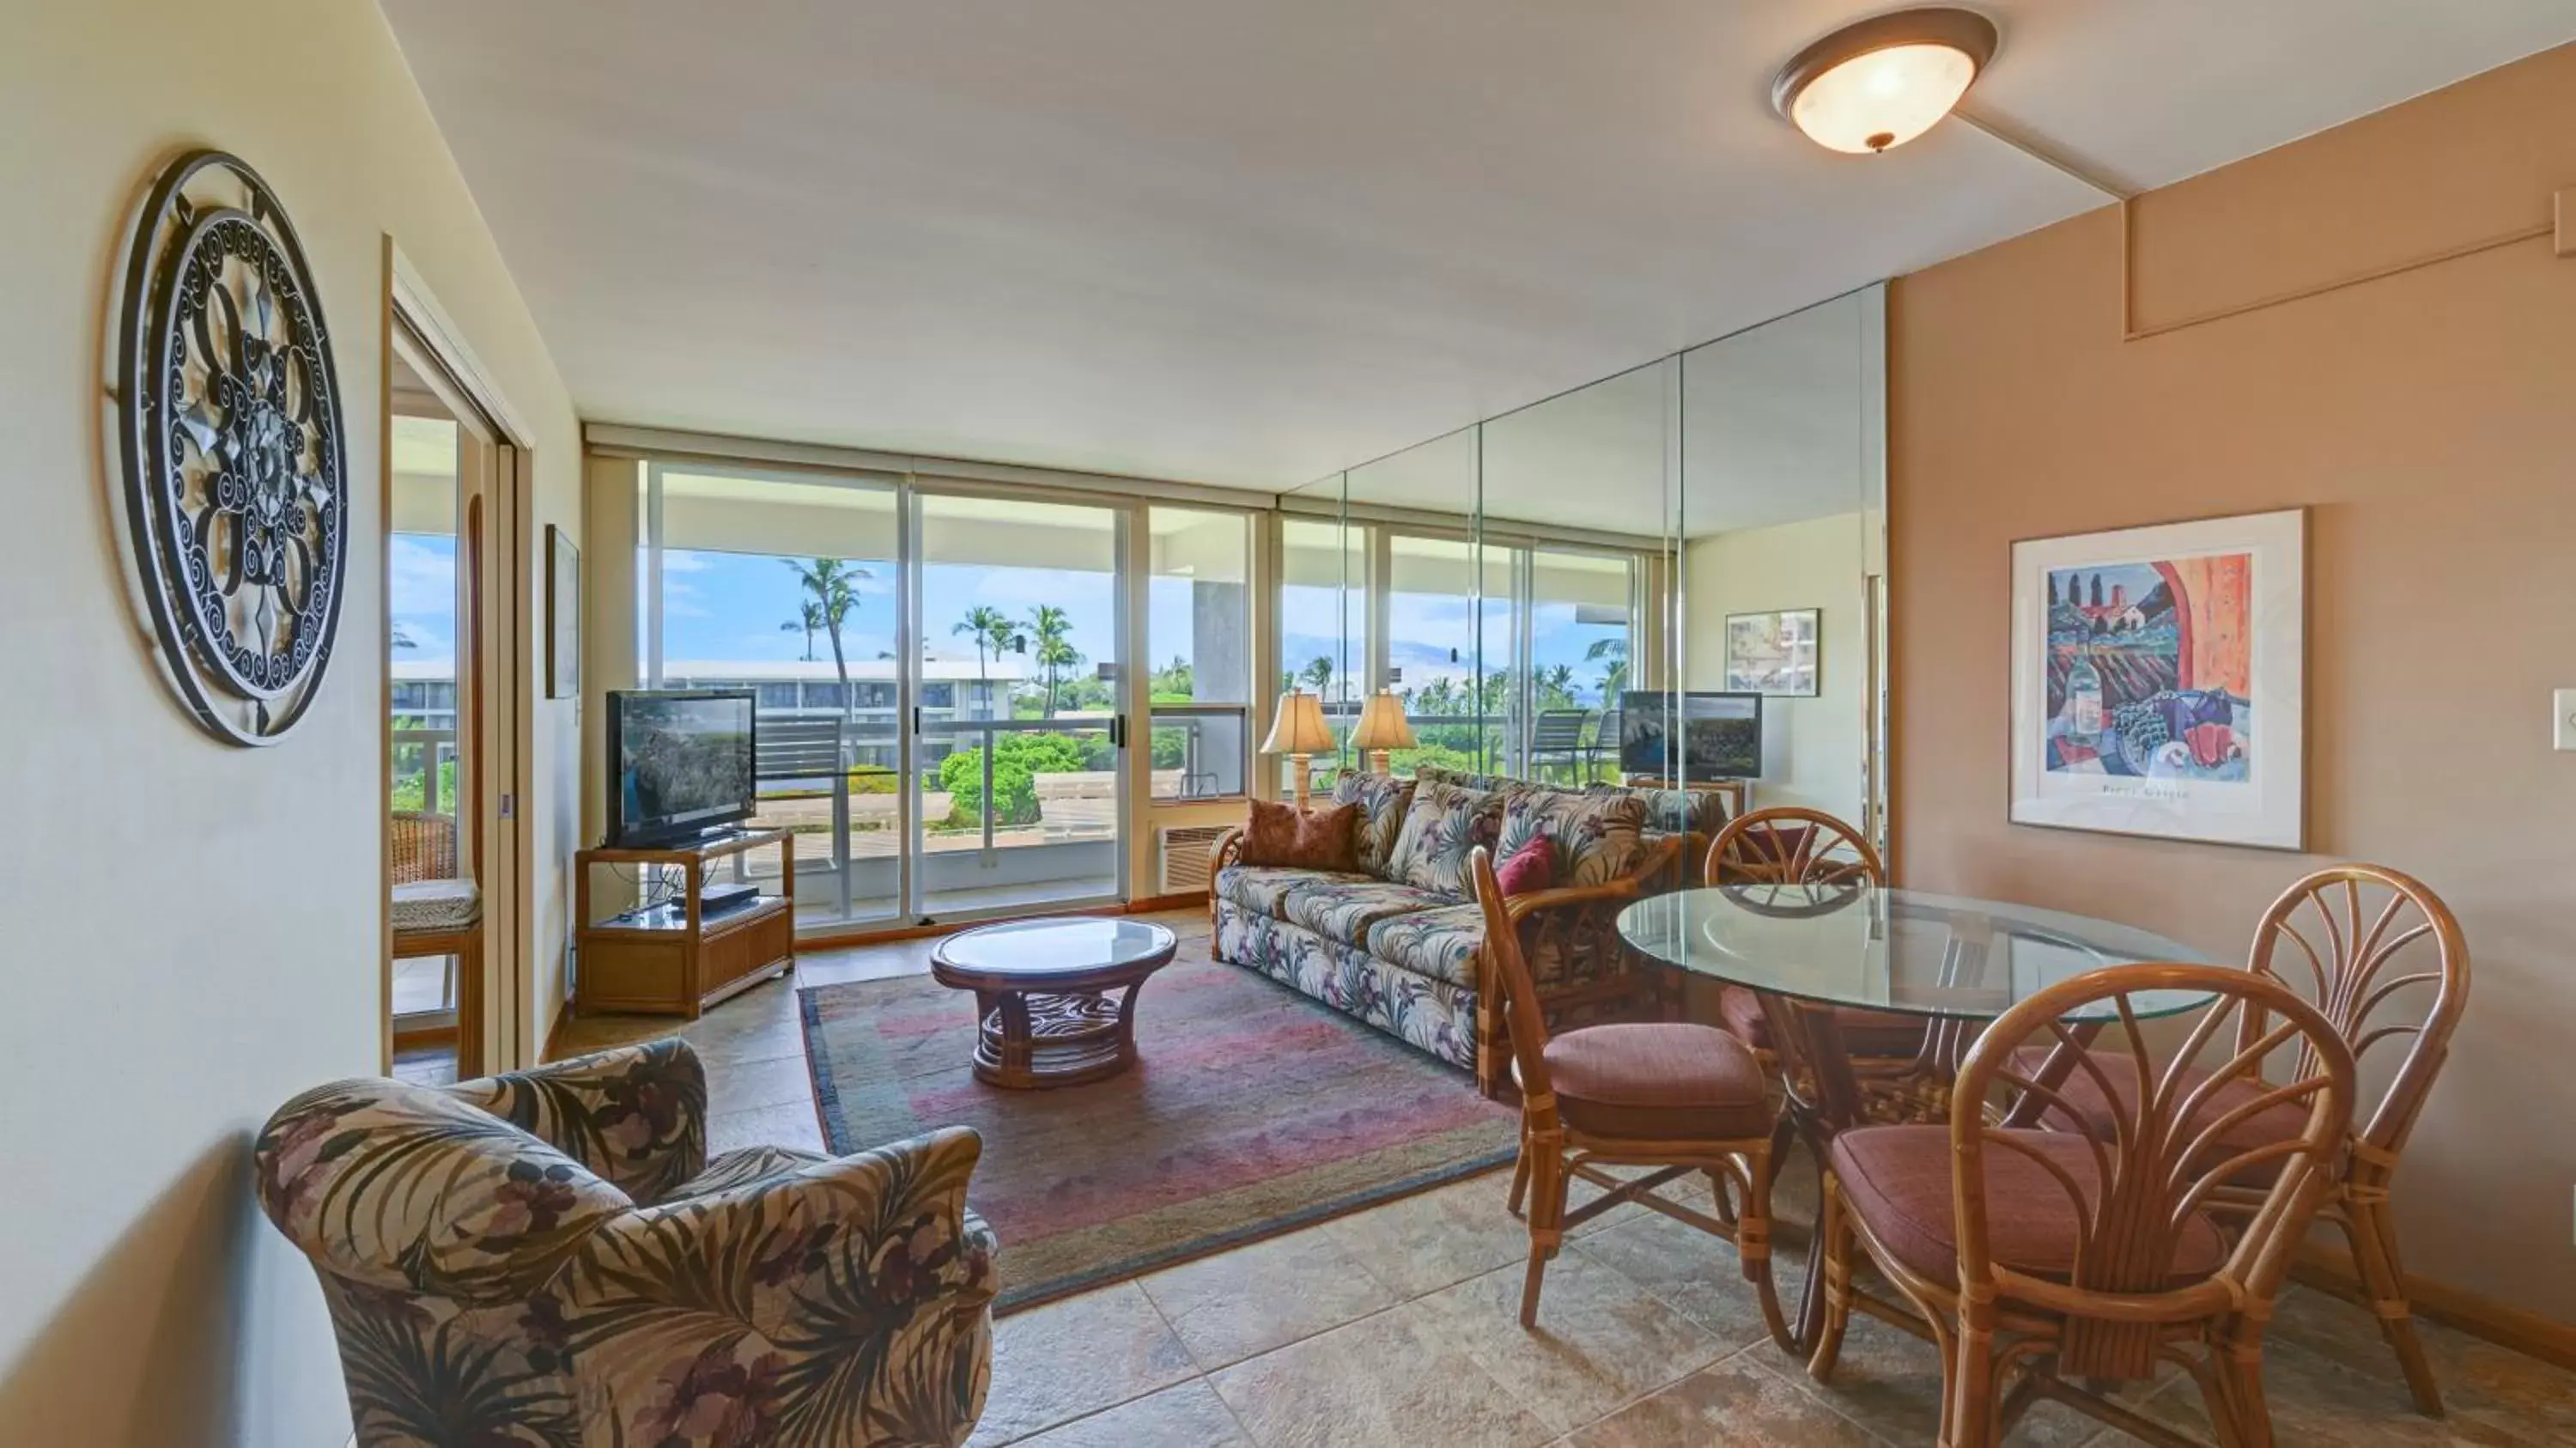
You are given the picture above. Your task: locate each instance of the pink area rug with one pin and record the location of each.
(1254, 1111)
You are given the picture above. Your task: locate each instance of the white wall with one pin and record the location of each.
(1812, 749)
(143, 1300)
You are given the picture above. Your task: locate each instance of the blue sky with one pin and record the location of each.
(731, 606)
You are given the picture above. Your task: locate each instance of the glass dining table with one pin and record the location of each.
(1812, 954)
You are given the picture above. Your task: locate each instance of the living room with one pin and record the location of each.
(1158, 489)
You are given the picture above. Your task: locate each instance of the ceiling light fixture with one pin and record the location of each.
(1883, 81)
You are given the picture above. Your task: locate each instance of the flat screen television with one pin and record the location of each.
(1720, 735)
(679, 763)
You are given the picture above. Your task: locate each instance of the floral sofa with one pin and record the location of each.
(548, 1259)
(1398, 943)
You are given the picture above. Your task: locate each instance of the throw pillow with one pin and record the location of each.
(1381, 799)
(1597, 837)
(1278, 835)
(1443, 825)
(1528, 871)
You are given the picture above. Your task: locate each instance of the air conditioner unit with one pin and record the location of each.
(1183, 853)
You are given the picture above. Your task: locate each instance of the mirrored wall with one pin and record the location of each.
(1675, 574)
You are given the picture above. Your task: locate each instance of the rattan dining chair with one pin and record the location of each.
(2039, 1259)
(1667, 1096)
(1789, 846)
(2333, 939)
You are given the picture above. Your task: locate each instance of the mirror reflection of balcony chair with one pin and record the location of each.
(437, 913)
(1556, 737)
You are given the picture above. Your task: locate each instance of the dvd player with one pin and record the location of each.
(726, 896)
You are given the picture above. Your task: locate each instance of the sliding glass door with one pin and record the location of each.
(934, 676)
(1019, 736)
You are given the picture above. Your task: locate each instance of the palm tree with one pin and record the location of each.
(1615, 677)
(402, 638)
(1319, 672)
(809, 617)
(1055, 650)
(1555, 686)
(994, 634)
(835, 586)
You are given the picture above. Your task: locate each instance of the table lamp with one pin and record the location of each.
(1298, 731)
(1382, 728)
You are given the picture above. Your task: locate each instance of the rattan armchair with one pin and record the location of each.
(2036, 1260)
(2335, 939)
(1668, 1096)
(1790, 846)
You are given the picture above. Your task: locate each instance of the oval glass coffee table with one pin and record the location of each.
(1043, 995)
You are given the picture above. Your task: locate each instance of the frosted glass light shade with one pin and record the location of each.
(1886, 80)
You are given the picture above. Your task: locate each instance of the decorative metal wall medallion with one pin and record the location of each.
(236, 479)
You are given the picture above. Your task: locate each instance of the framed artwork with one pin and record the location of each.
(2159, 681)
(563, 615)
(1772, 653)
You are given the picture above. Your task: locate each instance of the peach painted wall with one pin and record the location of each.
(2428, 421)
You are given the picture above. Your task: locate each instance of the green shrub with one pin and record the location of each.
(1017, 762)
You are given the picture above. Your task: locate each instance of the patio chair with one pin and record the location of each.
(1556, 737)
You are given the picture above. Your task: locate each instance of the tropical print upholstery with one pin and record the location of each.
(1435, 1015)
(1345, 909)
(1382, 799)
(546, 1260)
(1442, 827)
(1676, 810)
(1441, 944)
(1597, 837)
(1265, 887)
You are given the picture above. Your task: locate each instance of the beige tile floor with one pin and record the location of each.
(1397, 1327)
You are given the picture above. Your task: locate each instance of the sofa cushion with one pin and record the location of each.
(1382, 799)
(1897, 1180)
(1282, 834)
(1595, 838)
(1440, 943)
(1443, 824)
(1657, 1081)
(1675, 810)
(1263, 889)
(742, 1168)
(1344, 909)
(1531, 868)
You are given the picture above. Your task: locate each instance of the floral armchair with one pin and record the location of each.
(547, 1258)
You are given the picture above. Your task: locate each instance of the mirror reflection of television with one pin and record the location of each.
(679, 763)
(1719, 735)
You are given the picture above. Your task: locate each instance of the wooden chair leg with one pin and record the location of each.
(1968, 1392)
(1548, 1184)
(1838, 1244)
(1520, 1178)
(2372, 1233)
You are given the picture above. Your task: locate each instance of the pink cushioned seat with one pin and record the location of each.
(1655, 1081)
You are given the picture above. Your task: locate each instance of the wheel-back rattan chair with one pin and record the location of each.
(2036, 1259)
(1787, 846)
(2335, 940)
(1671, 1097)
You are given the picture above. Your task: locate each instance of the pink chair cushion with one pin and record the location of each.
(1529, 870)
(1865, 1033)
(1657, 1081)
(1896, 1180)
(2281, 1121)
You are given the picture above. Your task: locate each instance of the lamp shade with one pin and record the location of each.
(1298, 727)
(1885, 80)
(1382, 724)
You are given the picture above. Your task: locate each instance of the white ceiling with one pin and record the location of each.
(1249, 242)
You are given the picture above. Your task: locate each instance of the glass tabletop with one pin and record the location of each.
(1904, 951)
(1050, 947)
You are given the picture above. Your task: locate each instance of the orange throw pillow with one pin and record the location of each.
(1326, 839)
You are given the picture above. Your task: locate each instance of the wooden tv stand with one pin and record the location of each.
(670, 958)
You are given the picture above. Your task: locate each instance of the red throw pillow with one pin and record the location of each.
(1529, 870)
(1326, 839)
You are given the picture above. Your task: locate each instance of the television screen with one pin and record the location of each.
(680, 762)
(1720, 736)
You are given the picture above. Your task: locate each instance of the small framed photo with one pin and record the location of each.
(2158, 681)
(1773, 653)
(563, 615)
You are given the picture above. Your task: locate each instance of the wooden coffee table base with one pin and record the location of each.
(1034, 1039)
